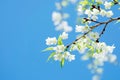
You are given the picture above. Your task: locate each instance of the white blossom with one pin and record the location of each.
(107, 5)
(58, 57)
(102, 13)
(84, 57)
(64, 3)
(59, 48)
(56, 18)
(112, 58)
(80, 10)
(94, 18)
(96, 77)
(88, 12)
(66, 54)
(110, 49)
(99, 70)
(95, 12)
(64, 27)
(51, 41)
(99, 1)
(73, 1)
(64, 35)
(81, 29)
(94, 35)
(71, 57)
(58, 6)
(65, 15)
(109, 14)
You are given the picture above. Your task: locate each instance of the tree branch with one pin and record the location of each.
(93, 27)
(91, 20)
(102, 32)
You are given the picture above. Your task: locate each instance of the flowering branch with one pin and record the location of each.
(89, 11)
(93, 27)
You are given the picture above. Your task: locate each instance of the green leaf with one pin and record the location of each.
(91, 48)
(84, 3)
(48, 49)
(51, 56)
(62, 62)
(60, 41)
(78, 46)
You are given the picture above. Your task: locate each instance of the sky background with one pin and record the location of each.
(24, 26)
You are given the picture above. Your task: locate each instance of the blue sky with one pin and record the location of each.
(24, 26)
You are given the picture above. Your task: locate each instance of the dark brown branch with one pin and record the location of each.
(93, 27)
(102, 32)
(115, 2)
(91, 20)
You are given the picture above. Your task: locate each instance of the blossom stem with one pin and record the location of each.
(93, 27)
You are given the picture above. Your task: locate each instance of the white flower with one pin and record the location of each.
(58, 6)
(51, 41)
(99, 1)
(84, 57)
(90, 66)
(73, 47)
(96, 55)
(98, 62)
(94, 18)
(64, 35)
(110, 48)
(58, 57)
(99, 70)
(102, 13)
(64, 3)
(71, 57)
(88, 12)
(64, 27)
(109, 14)
(66, 54)
(56, 18)
(65, 15)
(67, 29)
(73, 1)
(108, 5)
(59, 48)
(112, 58)
(95, 12)
(81, 29)
(80, 10)
(100, 45)
(94, 35)
(96, 77)
(78, 28)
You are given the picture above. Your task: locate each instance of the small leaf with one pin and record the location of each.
(51, 55)
(78, 46)
(62, 62)
(60, 41)
(48, 49)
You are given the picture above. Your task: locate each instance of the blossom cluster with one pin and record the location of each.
(59, 49)
(96, 11)
(87, 42)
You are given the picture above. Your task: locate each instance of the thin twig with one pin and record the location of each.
(91, 20)
(102, 32)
